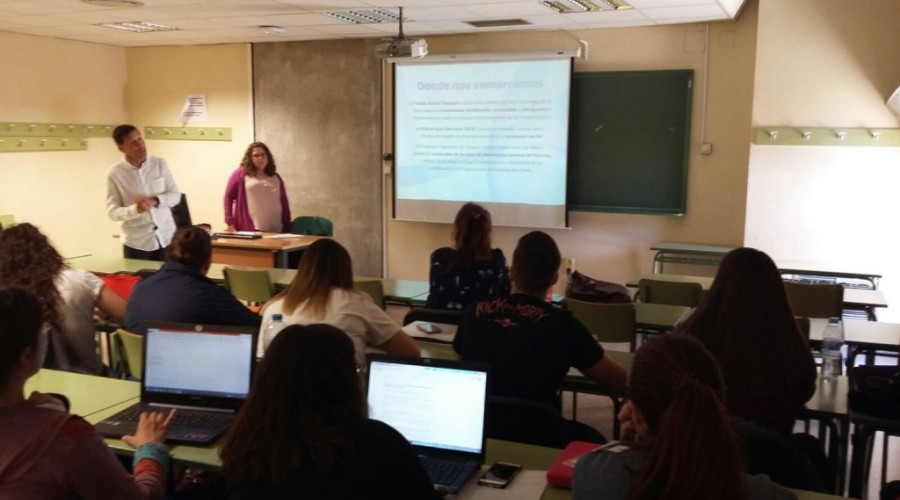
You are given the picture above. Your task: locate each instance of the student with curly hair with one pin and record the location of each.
(67, 296)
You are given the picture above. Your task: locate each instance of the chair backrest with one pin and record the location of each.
(445, 316)
(181, 214)
(7, 220)
(815, 300)
(606, 322)
(670, 292)
(372, 288)
(525, 421)
(254, 286)
(129, 352)
(314, 225)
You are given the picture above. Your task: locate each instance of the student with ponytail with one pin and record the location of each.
(679, 444)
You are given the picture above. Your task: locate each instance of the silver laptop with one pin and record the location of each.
(203, 371)
(439, 407)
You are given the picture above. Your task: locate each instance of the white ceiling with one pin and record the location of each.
(233, 21)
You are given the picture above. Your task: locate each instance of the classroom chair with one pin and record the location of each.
(614, 323)
(313, 225)
(251, 286)
(670, 292)
(128, 354)
(815, 300)
(372, 288)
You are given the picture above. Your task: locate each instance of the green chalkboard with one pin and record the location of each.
(630, 134)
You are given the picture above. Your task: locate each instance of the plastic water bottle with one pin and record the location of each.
(275, 326)
(832, 341)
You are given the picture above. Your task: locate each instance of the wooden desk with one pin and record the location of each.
(261, 252)
(687, 253)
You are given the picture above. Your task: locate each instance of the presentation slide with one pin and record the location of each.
(492, 132)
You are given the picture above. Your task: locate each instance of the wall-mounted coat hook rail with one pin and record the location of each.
(20, 144)
(187, 133)
(821, 136)
(33, 129)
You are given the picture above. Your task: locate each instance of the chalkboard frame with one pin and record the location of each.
(630, 142)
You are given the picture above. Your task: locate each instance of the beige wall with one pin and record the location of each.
(46, 80)
(615, 247)
(820, 64)
(62, 81)
(159, 80)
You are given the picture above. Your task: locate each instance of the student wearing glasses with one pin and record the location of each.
(255, 197)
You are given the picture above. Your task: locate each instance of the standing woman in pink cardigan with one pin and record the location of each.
(255, 198)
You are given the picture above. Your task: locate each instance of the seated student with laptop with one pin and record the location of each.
(303, 432)
(180, 291)
(45, 452)
(530, 344)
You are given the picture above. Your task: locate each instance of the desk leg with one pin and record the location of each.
(657, 263)
(862, 443)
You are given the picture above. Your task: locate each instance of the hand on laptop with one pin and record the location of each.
(151, 428)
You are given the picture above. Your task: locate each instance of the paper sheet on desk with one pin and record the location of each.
(527, 485)
(281, 236)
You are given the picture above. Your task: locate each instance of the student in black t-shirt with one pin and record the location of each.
(530, 344)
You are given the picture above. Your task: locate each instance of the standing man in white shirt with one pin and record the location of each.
(140, 192)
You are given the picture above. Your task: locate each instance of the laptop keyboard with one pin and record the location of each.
(186, 418)
(447, 473)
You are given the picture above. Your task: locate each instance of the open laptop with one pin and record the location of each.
(201, 370)
(439, 407)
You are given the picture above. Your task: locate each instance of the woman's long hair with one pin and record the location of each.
(747, 323)
(323, 266)
(304, 394)
(20, 326)
(676, 385)
(29, 261)
(471, 236)
(247, 160)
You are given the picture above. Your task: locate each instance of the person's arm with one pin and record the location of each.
(111, 305)
(116, 207)
(231, 193)
(285, 208)
(608, 372)
(402, 345)
(95, 473)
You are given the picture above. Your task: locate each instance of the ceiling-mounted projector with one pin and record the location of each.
(400, 46)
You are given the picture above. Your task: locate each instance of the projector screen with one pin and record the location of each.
(492, 132)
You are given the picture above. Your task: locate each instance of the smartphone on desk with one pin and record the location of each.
(428, 328)
(499, 475)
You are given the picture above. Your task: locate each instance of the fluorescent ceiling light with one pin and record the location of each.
(138, 27)
(365, 16)
(577, 6)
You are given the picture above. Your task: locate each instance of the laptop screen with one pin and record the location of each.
(432, 403)
(198, 360)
